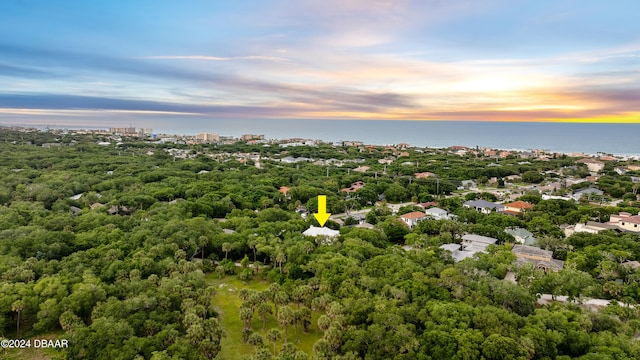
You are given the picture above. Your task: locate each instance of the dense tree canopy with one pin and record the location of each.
(115, 247)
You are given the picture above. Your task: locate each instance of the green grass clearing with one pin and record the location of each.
(228, 304)
(34, 353)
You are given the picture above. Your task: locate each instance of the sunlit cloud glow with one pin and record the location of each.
(324, 59)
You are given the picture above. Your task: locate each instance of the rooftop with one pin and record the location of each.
(321, 231)
(413, 215)
(531, 251)
(479, 239)
(520, 205)
(482, 204)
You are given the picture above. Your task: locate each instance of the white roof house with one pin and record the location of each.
(457, 254)
(437, 213)
(323, 233)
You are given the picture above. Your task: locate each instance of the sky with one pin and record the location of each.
(115, 62)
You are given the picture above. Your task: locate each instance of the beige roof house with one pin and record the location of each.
(626, 222)
(539, 258)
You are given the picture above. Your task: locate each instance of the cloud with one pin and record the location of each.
(217, 58)
(42, 104)
(24, 72)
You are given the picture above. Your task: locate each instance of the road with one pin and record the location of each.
(546, 299)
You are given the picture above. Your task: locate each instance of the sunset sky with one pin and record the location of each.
(88, 62)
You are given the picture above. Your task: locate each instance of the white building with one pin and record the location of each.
(437, 213)
(212, 137)
(323, 235)
(412, 218)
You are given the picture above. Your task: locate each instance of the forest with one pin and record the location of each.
(131, 252)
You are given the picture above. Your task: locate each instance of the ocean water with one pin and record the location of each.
(589, 138)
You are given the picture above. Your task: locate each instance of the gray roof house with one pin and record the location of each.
(471, 244)
(456, 253)
(589, 192)
(523, 236)
(477, 241)
(437, 213)
(539, 258)
(483, 206)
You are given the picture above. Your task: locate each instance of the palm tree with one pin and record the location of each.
(203, 243)
(286, 318)
(264, 310)
(255, 339)
(280, 298)
(280, 258)
(253, 242)
(273, 335)
(18, 306)
(226, 247)
(246, 316)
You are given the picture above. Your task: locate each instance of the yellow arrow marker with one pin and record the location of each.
(322, 216)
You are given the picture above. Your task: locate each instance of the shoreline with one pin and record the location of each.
(573, 153)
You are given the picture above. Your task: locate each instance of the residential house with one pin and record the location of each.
(438, 214)
(302, 210)
(412, 218)
(74, 210)
(517, 207)
(620, 170)
(483, 206)
(428, 204)
(513, 178)
(539, 258)
(608, 158)
(477, 242)
(522, 236)
(354, 187)
(592, 164)
(555, 197)
(284, 190)
(456, 253)
(361, 169)
(471, 244)
(592, 178)
(468, 184)
(591, 193)
(323, 235)
(424, 175)
(626, 222)
(590, 227)
(631, 265)
(96, 206)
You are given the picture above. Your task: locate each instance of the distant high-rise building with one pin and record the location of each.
(247, 137)
(122, 130)
(208, 137)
